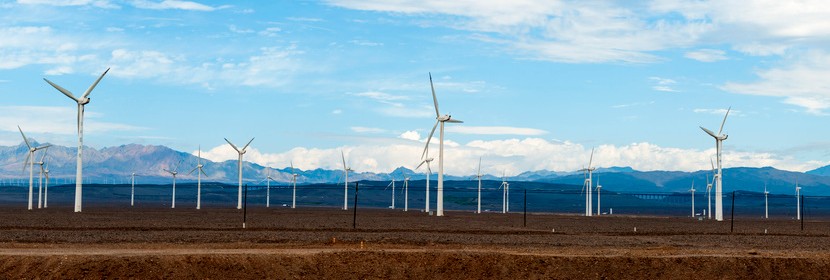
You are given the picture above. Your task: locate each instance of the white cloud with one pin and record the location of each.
(270, 31)
(663, 84)
(707, 55)
(337, 111)
(235, 29)
(511, 155)
(64, 3)
(381, 96)
(802, 82)
(720, 112)
(60, 121)
(366, 43)
(411, 135)
(495, 130)
(174, 4)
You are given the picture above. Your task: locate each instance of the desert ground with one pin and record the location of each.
(284, 243)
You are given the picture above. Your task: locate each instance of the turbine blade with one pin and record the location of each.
(292, 168)
(89, 90)
(232, 145)
(45, 150)
(592, 158)
(62, 90)
(249, 143)
(724, 120)
(454, 121)
(419, 165)
(713, 164)
(24, 137)
(203, 172)
(191, 171)
(479, 167)
(709, 132)
(28, 156)
(434, 99)
(432, 132)
(343, 157)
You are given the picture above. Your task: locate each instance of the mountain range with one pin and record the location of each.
(116, 164)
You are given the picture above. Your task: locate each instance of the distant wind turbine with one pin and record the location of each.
(588, 185)
(766, 202)
(40, 179)
(719, 137)
(797, 200)
(478, 176)
(294, 180)
(692, 190)
(132, 189)
(81, 102)
(199, 167)
(239, 163)
(174, 172)
(505, 187)
(426, 161)
(30, 160)
(392, 184)
(268, 180)
(599, 187)
(46, 188)
(439, 120)
(346, 170)
(406, 193)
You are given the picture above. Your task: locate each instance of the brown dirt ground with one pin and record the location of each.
(282, 243)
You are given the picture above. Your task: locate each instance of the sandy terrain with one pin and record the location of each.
(321, 243)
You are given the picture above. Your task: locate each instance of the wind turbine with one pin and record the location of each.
(504, 199)
(766, 202)
(439, 120)
(30, 160)
(797, 200)
(599, 187)
(429, 171)
(46, 188)
(478, 175)
(174, 172)
(588, 185)
(40, 179)
(405, 193)
(719, 137)
(132, 189)
(268, 180)
(346, 170)
(294, 180)
(240, 152)
(392, 184)
(81, 102)
(692, 190)
(199, 166)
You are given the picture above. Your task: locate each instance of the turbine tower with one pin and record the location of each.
(199, 167)
(174, 172)
(30, 160)
(429, 172)
(268, 180)
(294, 180)
(40, 179)
(240, 152)
(588, 185)
(692, 190)
(46, 188)
(132, 189)
(504, 187)
(478, 176)
(81, 102)
(599, 187)
(797, 201)
(405, 193)
(719, 137)
(346, 170)
(439, 120)
(392, 184)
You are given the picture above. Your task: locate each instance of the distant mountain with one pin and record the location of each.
(115, 164)
(821, 171)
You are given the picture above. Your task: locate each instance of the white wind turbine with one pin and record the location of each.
(599, 187)
(239, 163)
(40, 179)
(132, 189)
(709, 189)
(46, 188)
(268, 180)
(406, 193)
(439, 120)
(588, 185)
(797, 201)
(392, 184)
(719, 137)
(429, 172)
(199, 167)
(294, 180)
(766, 202)
(346, 170)
(505, 200)
(30, 160)
(692, 190)
(81, 102)
(478, 176)
(174, 172)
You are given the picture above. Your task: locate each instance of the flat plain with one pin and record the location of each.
(283, 243)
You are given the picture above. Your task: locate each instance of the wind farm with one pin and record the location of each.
(540, 86)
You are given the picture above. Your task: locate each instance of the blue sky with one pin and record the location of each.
(538, 83)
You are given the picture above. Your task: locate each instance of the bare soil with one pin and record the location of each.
(281, 243)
